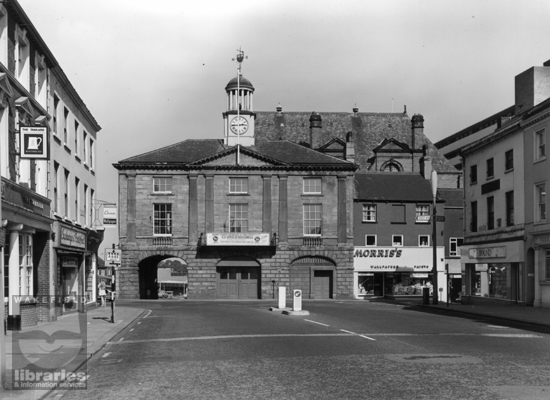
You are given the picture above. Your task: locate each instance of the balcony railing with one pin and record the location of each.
(312, 241)
(163, 241)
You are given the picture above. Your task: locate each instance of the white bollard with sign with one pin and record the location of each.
(297, 301)
(282, 296)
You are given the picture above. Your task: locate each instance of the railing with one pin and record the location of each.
(163, 241)
(312, 241)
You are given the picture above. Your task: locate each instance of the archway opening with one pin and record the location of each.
(155, 276)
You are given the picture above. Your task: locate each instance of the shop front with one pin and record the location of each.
(493, 273)
(395, 272)
(73, 266)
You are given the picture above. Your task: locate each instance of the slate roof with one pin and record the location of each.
(369, 130)
(391, 186)
(195, 152)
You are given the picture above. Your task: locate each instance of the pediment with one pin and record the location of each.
(392, 145)
(241, 156)
(333, 144)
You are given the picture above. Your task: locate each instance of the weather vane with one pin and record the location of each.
(240, 58)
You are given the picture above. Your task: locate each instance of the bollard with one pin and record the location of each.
(425, 296)
(282, 296)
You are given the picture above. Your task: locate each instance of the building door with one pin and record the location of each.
(238, 282)
(322, 284)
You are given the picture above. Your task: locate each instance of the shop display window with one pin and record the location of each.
(406, 284)
(490, 280)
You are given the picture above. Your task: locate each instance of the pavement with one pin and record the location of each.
(99, 331)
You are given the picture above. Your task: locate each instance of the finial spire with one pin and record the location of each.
(240, 58)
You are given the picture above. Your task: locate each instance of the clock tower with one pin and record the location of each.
(239, 117)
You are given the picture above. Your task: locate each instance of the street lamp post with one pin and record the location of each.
(434, 240)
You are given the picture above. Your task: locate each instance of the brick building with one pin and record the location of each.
(47, 154)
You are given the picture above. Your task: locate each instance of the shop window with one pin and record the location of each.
(398, 214)
(422, 213)
(162, 219)
(490, 212)
(312, 219)
(510, 208)
(312, 185)
(454, 246)
(490, 280)
(162, 184)
(540, 196)
(238, 185)
(397, 240)
(370, 240)
(406, 284)
(423, 240)
(369, 213)
(540, 145)
(490, 168)
(25, 265)
(473, 174)
(238, 218)
(509, 160)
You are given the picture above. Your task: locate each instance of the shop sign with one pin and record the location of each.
(69, 262)
(237, 239)
(25, 198)
(109, 216)
(396, 259)
(73, 238)
(487, 252)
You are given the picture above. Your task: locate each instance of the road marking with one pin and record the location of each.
(345, 334)
(121, 339)
(139, 322)
(357, 334)
(105, 355)
(131, 329)
(315, 322)
(150, 311)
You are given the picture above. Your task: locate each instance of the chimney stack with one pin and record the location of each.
(417, 124)
(532, 87)
(315, 121)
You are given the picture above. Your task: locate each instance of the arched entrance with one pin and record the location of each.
(155, 267)
(314, 275)
(238, 278)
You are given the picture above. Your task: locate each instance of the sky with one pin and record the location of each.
(153, 73)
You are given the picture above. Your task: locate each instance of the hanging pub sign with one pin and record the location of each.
(33, 142)
(109, 216)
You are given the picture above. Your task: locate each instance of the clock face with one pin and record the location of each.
(239, 125)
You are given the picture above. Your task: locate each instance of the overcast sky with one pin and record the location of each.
(153, 73)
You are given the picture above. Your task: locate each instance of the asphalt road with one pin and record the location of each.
(342, 350)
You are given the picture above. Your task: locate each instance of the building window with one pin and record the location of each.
(391, 167)
(397, 240)
(473, 174)
(238, 185)
(162, 184)
(76, 129)
(422, 213)
(91, 209)
(369, 213)
(490, 168)
(473, 217)
(548, 265)
(84, 149)
(25, 264)
(454, 246)
(509, 160)
(312, 185)
(238, 218)
(370, 240)
(21, 55)
(76, 199)
(540, 144)
(86, 206)
(55, 111)
(55, 187)
(65, 129)
(92, 151)
(66, 194)
(490, 212)
(312, 219)
(423, 240)
(510, 208)
(162, 219)
(398, 214)
(7, 269)
(540, 195)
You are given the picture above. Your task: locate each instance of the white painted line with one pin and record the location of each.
(121, 339)
(356, 334)
(105, 355)
(150, 311)
(139, 322)
(315, 322)
(131, 329)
